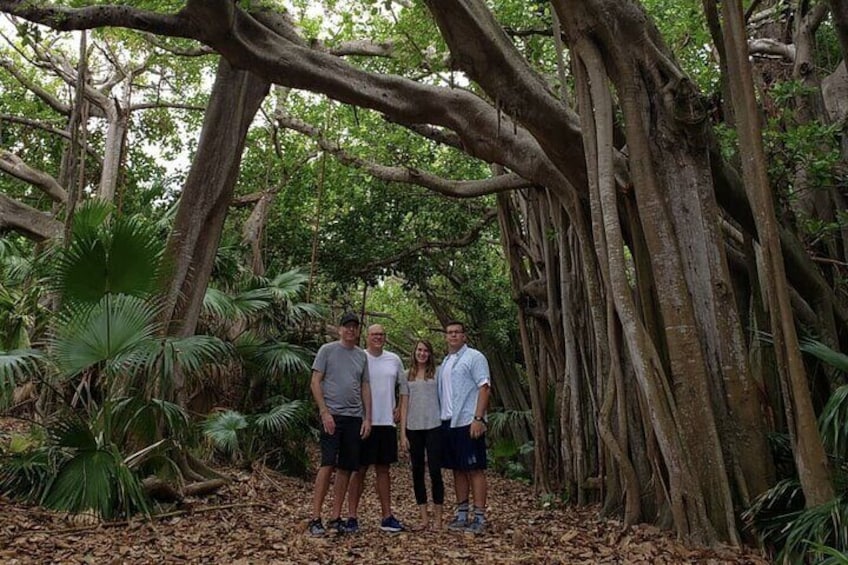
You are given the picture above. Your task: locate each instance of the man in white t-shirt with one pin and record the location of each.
(380, 449)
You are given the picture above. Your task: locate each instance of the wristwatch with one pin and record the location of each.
(480, 419)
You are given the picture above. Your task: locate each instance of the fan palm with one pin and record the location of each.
(245, 438)
(107, 344)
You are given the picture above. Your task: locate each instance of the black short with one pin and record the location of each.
(380, 447)
(342, 449)
(460, 451)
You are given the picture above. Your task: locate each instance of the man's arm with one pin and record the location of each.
(482, 377)
(366, 403)
(318, 394)
(478, 425)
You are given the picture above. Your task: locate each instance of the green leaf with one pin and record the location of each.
(106, 332)
(16, 366)
(223, 428)
(833, 423)
(99, 481)
(281, 417)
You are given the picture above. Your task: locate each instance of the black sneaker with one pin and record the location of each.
(338, 525)
(316, 528)
(352, 525)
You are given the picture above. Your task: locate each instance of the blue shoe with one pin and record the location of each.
(338, 525)
(316, 528)
(391, 524)
(457, 525)
(352, 525)
(476, 526)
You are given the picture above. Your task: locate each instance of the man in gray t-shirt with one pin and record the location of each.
(340, 387)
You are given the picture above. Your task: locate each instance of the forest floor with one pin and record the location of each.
(261, 517)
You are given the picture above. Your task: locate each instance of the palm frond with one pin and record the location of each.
(223, 428)
(288, 285)
(71, 432)
(80, 271)
(16, 366)
(824, 353)
(106, 332)
(251, 302)
(828, 555)
(825, 524)
(279, 359)
(120, 257)
(135, 257)
(165, 358)
(25, 476)
(190, 354)
(501, 419)
(773, 511)
(281, 417)
(833, 423)
(16, 269)
(96, 480)
(218, 304)
(136, 417)
(90, 216)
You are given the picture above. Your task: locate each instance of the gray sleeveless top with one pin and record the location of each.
(423, 405)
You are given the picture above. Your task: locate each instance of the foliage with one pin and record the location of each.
(106, 352)
(507, 456)
(16, 367)
(779, 516)
(276, 436)
(23, 313)
(80, 468)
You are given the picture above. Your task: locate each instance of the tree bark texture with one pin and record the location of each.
(193, 243)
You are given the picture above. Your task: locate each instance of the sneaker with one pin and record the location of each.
(337, 524)
(457, 525)
(475, 526)
(391, 524)
(316, 528)
(352, 525)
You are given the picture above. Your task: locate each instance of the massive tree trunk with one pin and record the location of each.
(193, 243)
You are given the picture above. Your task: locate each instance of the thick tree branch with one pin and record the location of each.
(46, 97)
(15, 166)
(771, 48)
(26, 220)
(459, 189)
(361, 47)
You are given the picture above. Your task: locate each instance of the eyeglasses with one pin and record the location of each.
(455, 332)
(378, 335)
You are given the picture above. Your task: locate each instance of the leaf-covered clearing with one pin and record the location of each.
(261, 518)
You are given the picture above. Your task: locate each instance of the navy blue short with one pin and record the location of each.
(342, 449)
(380, 447)
(460, 451)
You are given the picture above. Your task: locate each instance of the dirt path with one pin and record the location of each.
(261, 518)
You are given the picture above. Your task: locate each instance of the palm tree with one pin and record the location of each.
(112, 370)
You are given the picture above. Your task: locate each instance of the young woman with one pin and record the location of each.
(421, 434)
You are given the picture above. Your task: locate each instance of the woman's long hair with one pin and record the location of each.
(429, 367)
